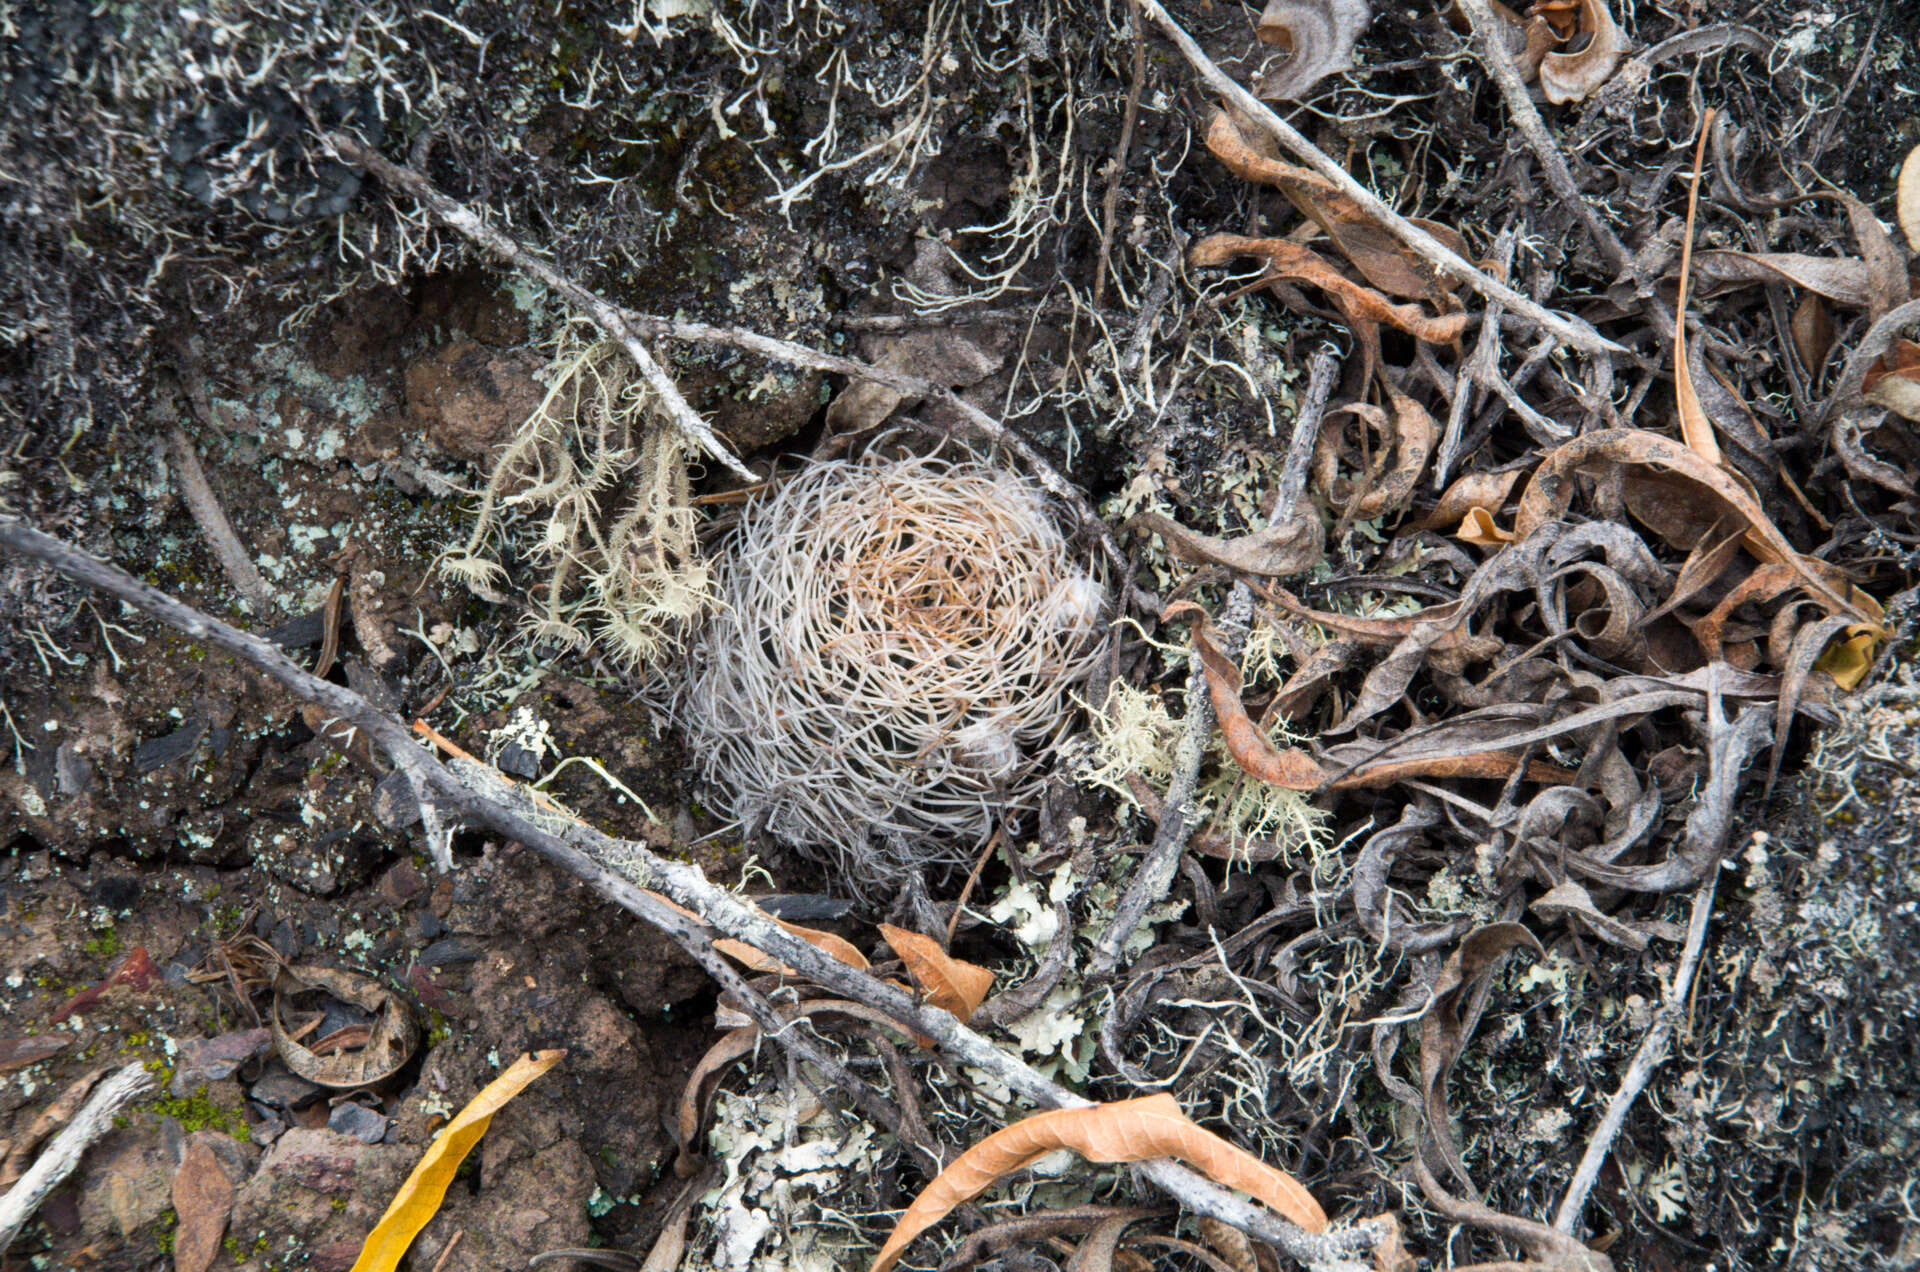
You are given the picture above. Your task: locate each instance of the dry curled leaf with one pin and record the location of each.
(1458, 998)
(1288, 260)
(1841, 279)
(358, 1055)
(1473, 490)
(1124, 1131)
(950, 983)
(1480, 529)
(1893, 381)
(419, 1197)
(1290, 545)
(1570, 77)
(1321, 34)
(1719, 493)
(1907, 199)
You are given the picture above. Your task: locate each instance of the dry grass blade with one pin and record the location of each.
(1694, 425)
(1124, 1131)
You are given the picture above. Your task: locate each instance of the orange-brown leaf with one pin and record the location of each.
(1287, 259)
(1480, 529)
(1247, 743)
(950, 983)
(839, 947)
(1695, 427)
(1124, 1131)
(1906, 202)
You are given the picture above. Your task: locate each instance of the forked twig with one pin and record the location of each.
(1430, 249)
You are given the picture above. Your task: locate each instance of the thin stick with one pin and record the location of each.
(1650, 1056)
(1154, 875)
(1576, 333)
(63, 1154)
(1493, 54)
(213, 523)
(1321, 368)
(1111, 206)
(465, 220)
(623, 871)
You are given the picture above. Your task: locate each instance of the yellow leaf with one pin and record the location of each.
(1849, 660)
(419, 1198)
(951, 984)
(1124, 1131)
(1695, 427)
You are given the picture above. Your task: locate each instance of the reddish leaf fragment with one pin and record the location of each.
(136, 971)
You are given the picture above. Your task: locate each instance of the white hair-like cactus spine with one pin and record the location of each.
(890, 670)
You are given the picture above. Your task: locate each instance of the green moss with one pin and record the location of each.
(199, 1112)
(167, 1223)
(106, 945)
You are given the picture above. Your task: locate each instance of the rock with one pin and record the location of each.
(126, 1183)
(468, 399)
(296, 1193)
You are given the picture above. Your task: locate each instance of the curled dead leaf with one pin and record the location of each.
(362, 1053)
(1290, 545)
(1480, 529)
(1321, 34)
(1894, 380)
(1473, 490)
(1907, 199)
(1289, 260)
(950, 983)
(1571, 77)
(1124, 1131)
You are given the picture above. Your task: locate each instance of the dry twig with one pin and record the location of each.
(213, 523)
(63, 1154)
(1574, 332)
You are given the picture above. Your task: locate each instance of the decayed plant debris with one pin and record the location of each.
(1470, 651)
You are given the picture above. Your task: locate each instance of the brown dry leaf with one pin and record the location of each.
(379, 1049)
(1289, 260)
(1841, 279)
(1450, 1020)
(950, 983)
(1249, 745)
(1569, 898)
(1479, 528)
(1291, 546)
(1321, 34)
(1570, 77)
(1694, 425)
(19, 1153)
(1381, 259)
(1812, 330)
(1407, 433)
(735, 1045)
(419, 1197)
(1551, 489)
(839, 947)
(1893, 381)
(1474, 490)
(203, 1198)
(1906, 200)
(1124, 1131)
(1886, 263)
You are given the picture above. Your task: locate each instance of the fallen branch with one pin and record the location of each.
(63, 1154)
(1574, 332)
(1650, 1056)
(218, 531)
(628, 873)
(459, 217)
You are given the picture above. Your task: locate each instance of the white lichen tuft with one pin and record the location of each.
(887, 678)
(605, 483)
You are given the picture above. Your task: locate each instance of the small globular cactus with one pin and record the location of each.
(891, 667)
